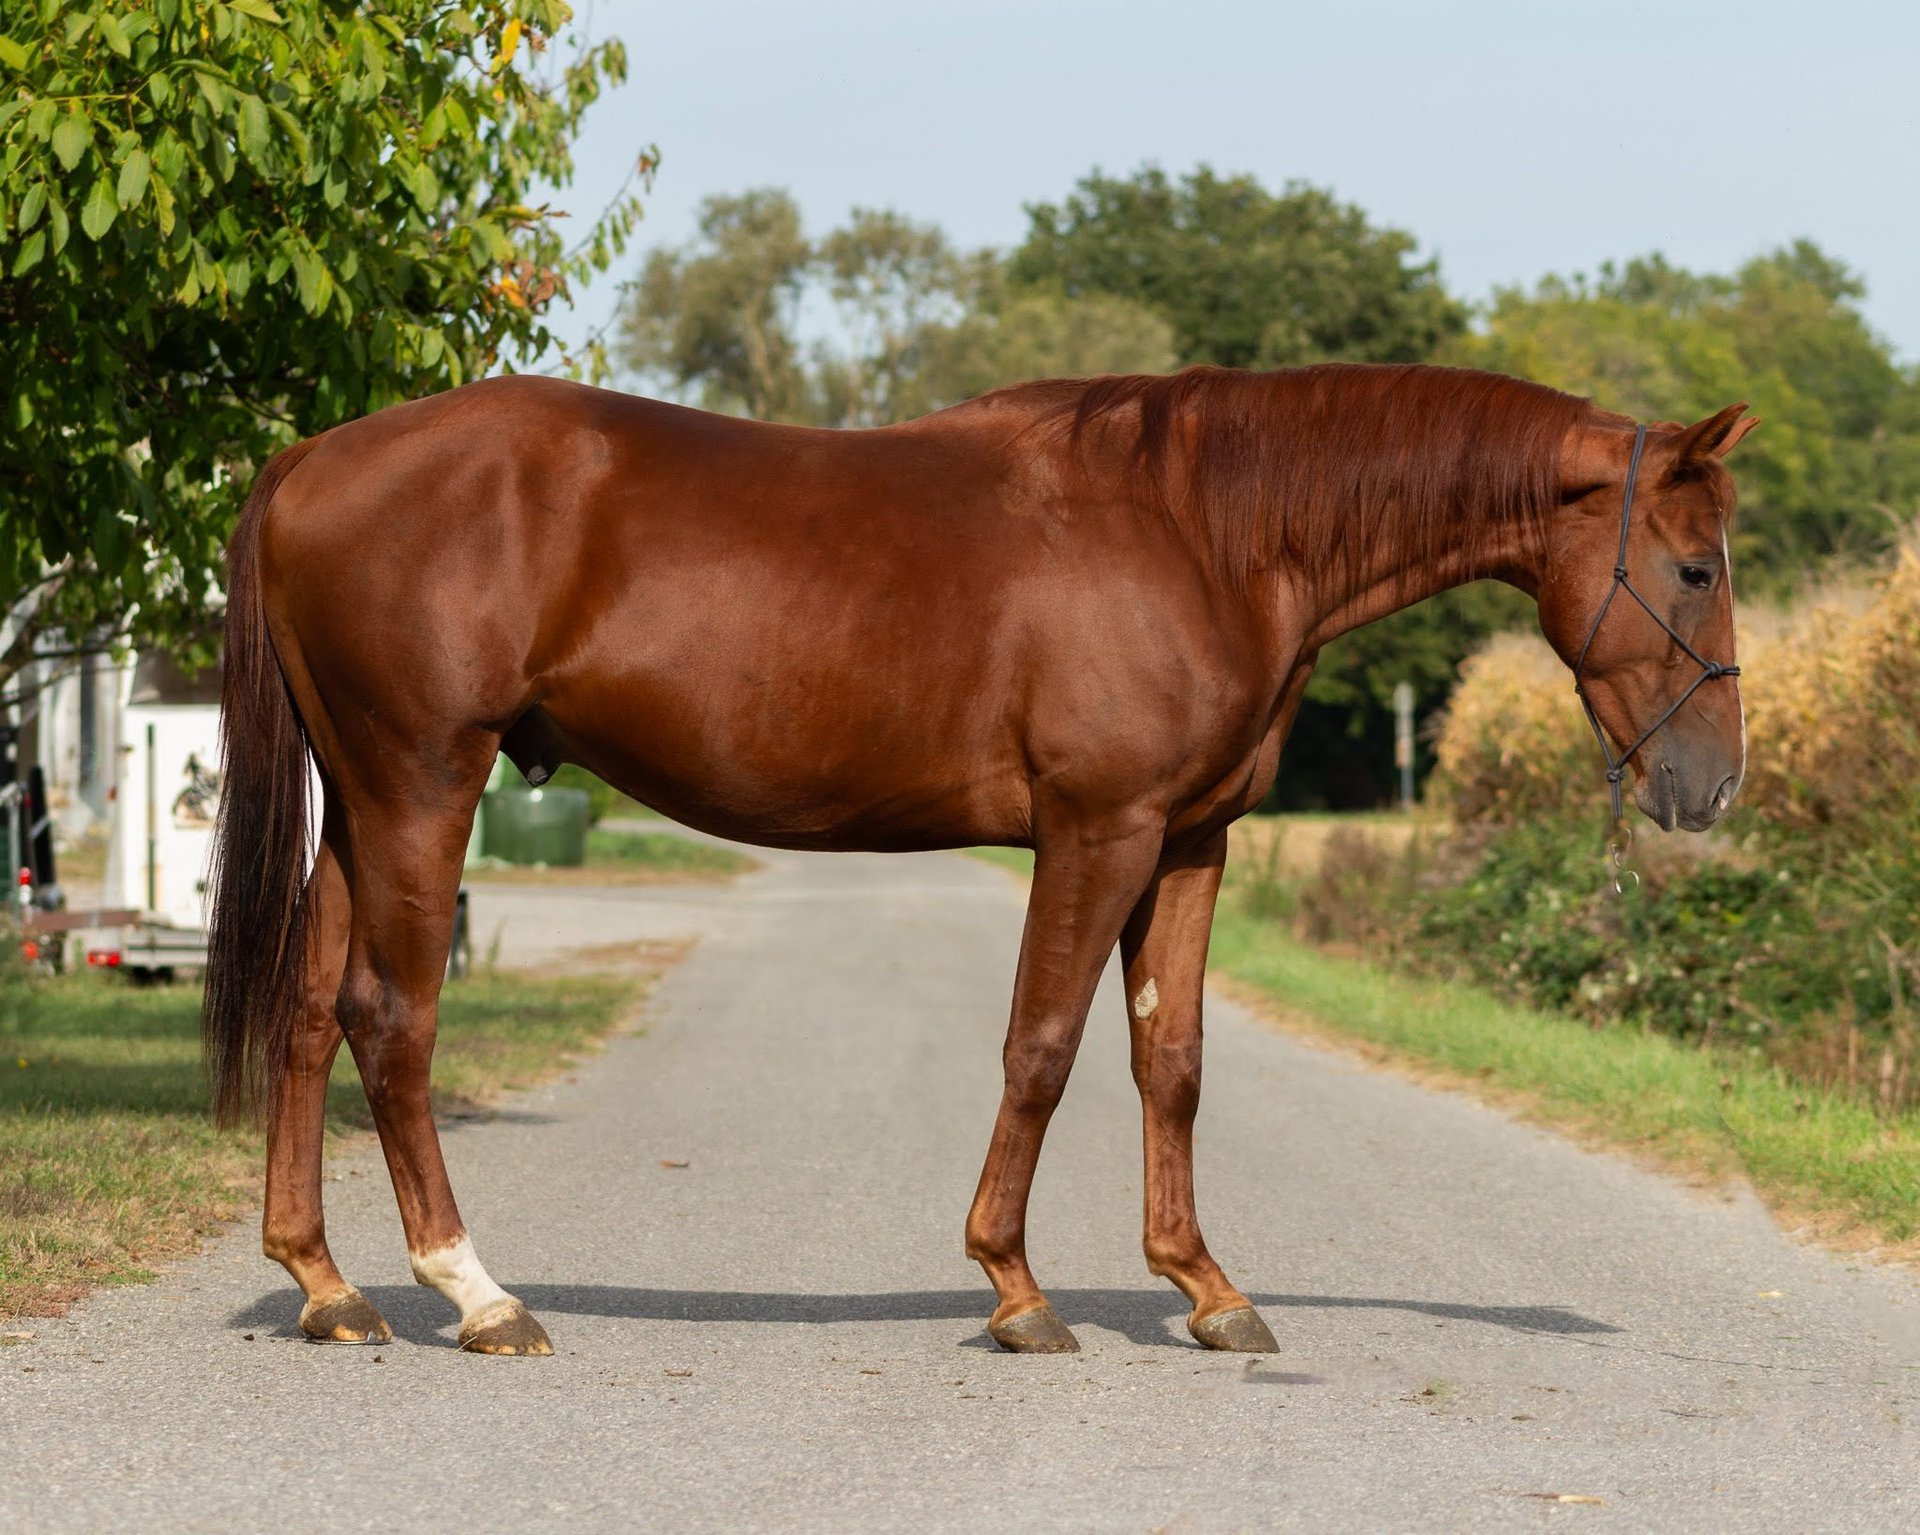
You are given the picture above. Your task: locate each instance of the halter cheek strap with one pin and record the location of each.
(1709, 670)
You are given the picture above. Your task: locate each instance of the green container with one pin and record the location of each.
(531, 826)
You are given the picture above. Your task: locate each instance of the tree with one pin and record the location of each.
(1246, 277)
(913, 323)
(227, 224)
(717, 316)
(896, 285)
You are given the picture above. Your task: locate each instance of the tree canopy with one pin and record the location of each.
(226, 224)
(1246, 277)
(905, 322)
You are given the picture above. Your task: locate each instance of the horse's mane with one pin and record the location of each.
(1318, 466)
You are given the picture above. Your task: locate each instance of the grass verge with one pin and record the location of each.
(1825, 1164)
(108, 1162)
(620, 856)
(1820, 1161)
(1018, 859)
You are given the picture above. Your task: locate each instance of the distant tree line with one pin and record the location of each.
(883, 318)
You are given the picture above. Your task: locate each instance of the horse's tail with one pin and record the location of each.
(257, 932)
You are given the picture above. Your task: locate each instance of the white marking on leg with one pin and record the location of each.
(1147, 1001)
(456, 1273)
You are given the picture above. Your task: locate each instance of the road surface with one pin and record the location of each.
(1478, 1321)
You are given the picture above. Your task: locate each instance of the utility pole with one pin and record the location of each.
(1403, 740)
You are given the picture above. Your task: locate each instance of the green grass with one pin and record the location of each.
(108, 1162)
(619, 856)
(661, 853)
(1813, 1156)
(1018, 859)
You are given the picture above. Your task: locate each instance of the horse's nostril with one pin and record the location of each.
(1723, 796)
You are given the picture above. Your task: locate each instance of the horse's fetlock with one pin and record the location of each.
(291, 1248)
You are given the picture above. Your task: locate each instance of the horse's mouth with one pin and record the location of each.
(1658, 796)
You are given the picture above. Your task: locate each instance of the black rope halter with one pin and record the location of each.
(1709, 670)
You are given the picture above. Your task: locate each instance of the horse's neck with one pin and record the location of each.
(1408, 567)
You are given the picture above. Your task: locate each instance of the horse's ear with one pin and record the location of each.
(1715, 437)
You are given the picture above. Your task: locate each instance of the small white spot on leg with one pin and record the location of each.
(456, 1273)
(1146, 1001)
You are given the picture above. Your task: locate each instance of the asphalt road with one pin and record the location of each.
(1476, 1319)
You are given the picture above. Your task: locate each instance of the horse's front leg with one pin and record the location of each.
(1086, 879)
(1164, 949)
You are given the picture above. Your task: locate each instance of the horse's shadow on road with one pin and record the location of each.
(1145, 1317)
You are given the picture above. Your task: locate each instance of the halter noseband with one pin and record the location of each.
(1617, 766)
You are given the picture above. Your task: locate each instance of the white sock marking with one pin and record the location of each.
(456, 1273)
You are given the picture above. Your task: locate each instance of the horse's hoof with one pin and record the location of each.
(1037, 1331)
(1239, 1331)
(348, 1317)
(505, 1328)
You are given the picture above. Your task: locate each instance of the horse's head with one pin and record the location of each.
(1650, 635)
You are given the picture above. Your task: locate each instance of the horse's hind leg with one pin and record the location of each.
(406, 859)
(1164, 950)
(294, 1231)
(1086, 879)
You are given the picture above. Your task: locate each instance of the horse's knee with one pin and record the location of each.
(1037, 1069)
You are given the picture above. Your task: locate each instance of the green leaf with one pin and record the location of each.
(239, 272)
(254, 136)
(114, 34)
(133, 178)
(71, 138)
(32, 206)
(258, 9)
(12, 54)
(163, 204)
(212, 87)
(101, 208)
(307, 272)
(290, 129)
(31, 250)
(110, 542)
(425, 186)
(40, 117)
(56, 221)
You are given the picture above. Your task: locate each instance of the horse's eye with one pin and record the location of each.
(1699, 577)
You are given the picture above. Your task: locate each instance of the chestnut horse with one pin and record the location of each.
(1072, 616)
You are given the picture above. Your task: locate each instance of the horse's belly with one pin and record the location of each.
(815, 773)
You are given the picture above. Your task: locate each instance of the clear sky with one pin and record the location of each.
(1512, 139)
